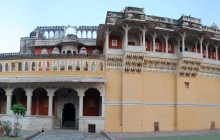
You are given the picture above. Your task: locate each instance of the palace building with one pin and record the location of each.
(135, 73)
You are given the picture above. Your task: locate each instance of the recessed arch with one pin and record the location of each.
(39, 102)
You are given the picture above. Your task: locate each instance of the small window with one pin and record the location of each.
(62, 65)
(156, 46)
(55, 65)
(26, 65)
(6, 67)
(85, 65)
(78, 65)
(93, 66)
(186, 84)
(12, 67)
(32, 66)
(100, 66)
(40, 66)
(156, 126)
(47, 65)
(114, 43)
(0, 67)
(19, 66)
(70, 65)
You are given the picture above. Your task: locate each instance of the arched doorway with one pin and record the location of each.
(68, 115)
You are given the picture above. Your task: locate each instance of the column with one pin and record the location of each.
(143, 31)
(141, 42)
(206, 49)
(196, 50)
(86, 34)
(166, 37)
(48, 34)
(54, 34)
(154, 37)
(92, 34)
(103, 100)
(50, 94)
(107, 38)
(9, 97)
(81, 95)
(81, 34)
(178, 45)
(126, 28)
(29, 100)
(183, 35)
(59, 34)
(216, 52)
(201, 40)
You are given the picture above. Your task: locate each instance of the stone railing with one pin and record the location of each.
(46, 42)
(161, 19)
(211, 61)
(190, 55)
(162, 55)
(12, 56)
(130, 48)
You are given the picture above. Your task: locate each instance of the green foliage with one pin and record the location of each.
(19, 109)
(7, 125)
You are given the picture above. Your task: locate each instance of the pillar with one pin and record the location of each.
(29, 100)
(166, 37)
(81, 34)
(103, 101)
(48, 34)
(201, 40)
(154, 38)
(143, 32)
(86, 34)
(206, 50)
(9, 97)
(196, 50)
(216, 52)
(50, 94)
(126, 29)
(183, 35)
(107, 38)
(92, 34)
(81, 95)
(178, 45)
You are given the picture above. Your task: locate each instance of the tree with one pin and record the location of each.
(19, 110)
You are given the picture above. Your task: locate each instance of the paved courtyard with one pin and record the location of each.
(69, 134)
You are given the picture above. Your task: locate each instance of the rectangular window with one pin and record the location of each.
(101, 65)
(186, 84)
(19, 66)
(6, 67)
(114, 43)
(40, 66)
(12, 67)
(0, 67)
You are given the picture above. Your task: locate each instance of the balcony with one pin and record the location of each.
(137, 49)
(190, 55)
(162, 55)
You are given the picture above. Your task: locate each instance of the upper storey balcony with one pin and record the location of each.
(62, 65)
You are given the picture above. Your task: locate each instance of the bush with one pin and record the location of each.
(7, 125)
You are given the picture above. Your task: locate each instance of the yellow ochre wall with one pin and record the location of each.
(159, 97)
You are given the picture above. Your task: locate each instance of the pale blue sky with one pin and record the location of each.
(19, 17)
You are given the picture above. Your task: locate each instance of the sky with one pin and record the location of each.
(19, 17)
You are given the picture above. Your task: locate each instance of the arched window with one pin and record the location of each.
(44, 51)
(55, 51)
(12, 67)
(69, 52)
(101, 66)
(93, 66)
(20, 66)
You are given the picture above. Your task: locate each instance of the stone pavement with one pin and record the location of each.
(127, 135)
(68, 134)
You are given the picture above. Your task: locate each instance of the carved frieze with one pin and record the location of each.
(209, 70)
(188, 67)
(159, 65)
(114, 62)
